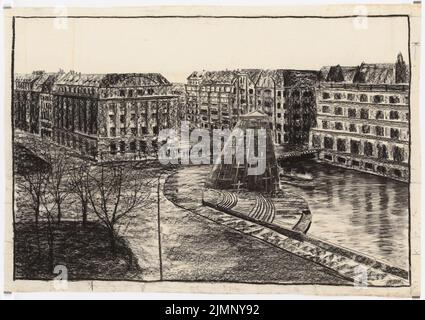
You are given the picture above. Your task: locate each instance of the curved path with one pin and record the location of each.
(284, 210)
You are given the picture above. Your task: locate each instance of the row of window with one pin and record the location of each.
(133, 131)
(76, 89)
(22, 85)
(123, 117)
(265, 103)
(364, 113)
(131, 93)
(355, 147)
(217, 89)
(215, 126)
(393, 133)
(113, 107)
(83, 145)
(377, 98)
(133, 146)
(46, 97)
(82, 121)
(296, 94)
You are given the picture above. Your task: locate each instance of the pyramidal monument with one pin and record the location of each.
(235, 173)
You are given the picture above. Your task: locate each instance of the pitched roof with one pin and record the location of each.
(376, 73)
(112, 79)
(134, 79)
(40, 81)
(297, 77)
(338, 73)
(218, 77)
(76, 78)
(266, 76)
(46, 81)
(260, 77)
(349, 73)
(29, 77)
(253, 74)
(370, 73)
(323, 72)
(196, 75)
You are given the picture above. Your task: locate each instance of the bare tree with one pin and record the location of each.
(115, 192)
(77, 184)
(51, 216)
(34, 183)
(60, 164)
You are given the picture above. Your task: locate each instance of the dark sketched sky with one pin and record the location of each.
(175, 47)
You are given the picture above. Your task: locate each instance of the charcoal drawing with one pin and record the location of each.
(251, 171)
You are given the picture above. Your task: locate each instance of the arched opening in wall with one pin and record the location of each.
(328, 157)
(341, 145)
(328, 143)
(397, 173)
(122, 146)
(368, 149)
(142, 146)
(132, 146)
(355, 147)
(368, 166)
(355, 163)
(113, 148)
(382, 152)
(381, 169)
(316, 141)
(398, 154)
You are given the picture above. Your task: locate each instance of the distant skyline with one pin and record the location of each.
(176, 47)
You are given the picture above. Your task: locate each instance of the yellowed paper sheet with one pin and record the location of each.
(116, 181)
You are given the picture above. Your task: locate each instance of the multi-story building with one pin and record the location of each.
(217, 99)
(363, 118)
(211, 99)
(32, 107)
(112, 116)
(46, 105)
(178, 90)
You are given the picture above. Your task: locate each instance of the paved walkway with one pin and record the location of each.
(282, 209)
(199, 246)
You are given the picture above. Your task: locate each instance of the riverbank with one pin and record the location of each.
(184, 190)
(356, 210)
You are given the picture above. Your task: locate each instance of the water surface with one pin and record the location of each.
(359, 211)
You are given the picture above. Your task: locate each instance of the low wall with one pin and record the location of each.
(301, 236)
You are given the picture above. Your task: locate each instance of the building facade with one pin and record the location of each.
(112, 116)
(363, 119)
(216, 100)
(32, 101)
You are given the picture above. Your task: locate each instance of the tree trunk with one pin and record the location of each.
(84, 209)
(37, 213)
(59, 212)
(113, 243)
(51, 250)
(37, 231)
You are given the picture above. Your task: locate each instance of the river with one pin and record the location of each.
(359, 211)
